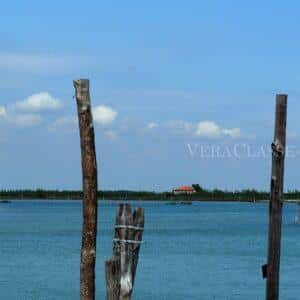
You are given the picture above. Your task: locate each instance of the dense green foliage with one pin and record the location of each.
(201, 194)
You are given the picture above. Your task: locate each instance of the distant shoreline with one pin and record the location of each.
(168, 202)
(124, 195)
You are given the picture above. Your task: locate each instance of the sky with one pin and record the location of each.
(182, 92)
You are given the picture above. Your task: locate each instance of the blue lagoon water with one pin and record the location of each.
(200, 251)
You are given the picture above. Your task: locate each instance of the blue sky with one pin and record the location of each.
(183, 92)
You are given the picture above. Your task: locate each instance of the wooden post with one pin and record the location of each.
(121, 269)
(89, 181)
(112, 275)
(276, 199)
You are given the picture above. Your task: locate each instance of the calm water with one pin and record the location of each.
(199, 251)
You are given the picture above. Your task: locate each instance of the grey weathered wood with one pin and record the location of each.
(89, 181)
(125, 254)
(276, 199)
(112, 275)
(138, 221)
(125, 218)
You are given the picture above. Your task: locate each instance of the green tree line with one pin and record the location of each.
(201, 194)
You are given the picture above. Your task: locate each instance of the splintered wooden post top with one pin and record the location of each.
(82, 94)
(81, 82)
(281, 99)
(282, 96)
(280, 119)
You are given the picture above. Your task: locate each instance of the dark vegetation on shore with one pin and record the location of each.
(201, 195)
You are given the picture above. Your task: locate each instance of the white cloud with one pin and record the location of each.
(24, 120)
(210, 129)
(2, 111)
(104, 115)
(39, 102)
(66, 124)
(152, 125)
(19, 119)
(233, 132)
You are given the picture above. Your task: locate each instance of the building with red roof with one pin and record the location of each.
(185, 189)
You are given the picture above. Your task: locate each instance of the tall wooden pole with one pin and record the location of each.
(89, 181)
(276, 199)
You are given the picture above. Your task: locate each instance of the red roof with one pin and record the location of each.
(185, 188)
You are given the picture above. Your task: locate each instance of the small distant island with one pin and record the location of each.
(186, 193)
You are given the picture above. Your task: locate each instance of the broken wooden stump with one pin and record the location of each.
(112, 276)
(121, 269)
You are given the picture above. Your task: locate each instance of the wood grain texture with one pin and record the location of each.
(126, 247)
(112, 275)
(90, 187)
(276, 199)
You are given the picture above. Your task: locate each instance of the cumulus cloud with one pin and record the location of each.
(19, 119)
(65, 124)
(210, 129)
(104, 115)
(38, 102)
(152, 125)
(233, 132)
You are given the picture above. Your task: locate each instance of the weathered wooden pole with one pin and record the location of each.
(89, 182)
(121, 269)
(276, 199)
